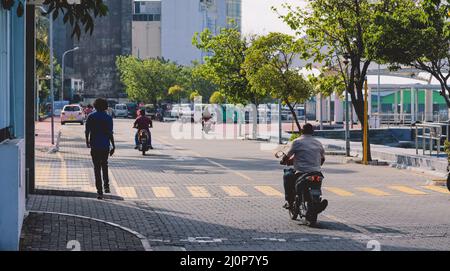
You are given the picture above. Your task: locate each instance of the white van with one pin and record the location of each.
(121, 110)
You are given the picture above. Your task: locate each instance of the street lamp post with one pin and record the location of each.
(62, 70)
(52, 94)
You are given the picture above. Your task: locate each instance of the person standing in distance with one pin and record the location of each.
(99, 138)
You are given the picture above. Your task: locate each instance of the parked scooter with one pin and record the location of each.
(308, 202)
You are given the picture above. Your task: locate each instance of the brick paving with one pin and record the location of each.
(53, 232)
(225, 222)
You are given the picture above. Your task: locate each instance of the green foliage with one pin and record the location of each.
(294, 136)
(217, 98)
(194, 94)
(270, 71)
(79, 16)
(148, 80)
(222, 66)
(415, 34)
(447, 149)
(176, 90)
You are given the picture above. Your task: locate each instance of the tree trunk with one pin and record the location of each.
(294, 115)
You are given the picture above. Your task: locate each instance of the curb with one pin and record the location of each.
(145, 243)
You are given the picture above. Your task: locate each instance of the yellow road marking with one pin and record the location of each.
(127, 192)
(269, 191)
(437, 189)
(198, 192)
(339, 191)
(373, 191)
(163, 192)
(407, 190)
(234, 191)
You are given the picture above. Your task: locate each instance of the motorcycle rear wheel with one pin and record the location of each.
(311, 215)
(293, 213)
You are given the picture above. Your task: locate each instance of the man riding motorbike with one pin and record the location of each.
(143, 123)
(308, 156)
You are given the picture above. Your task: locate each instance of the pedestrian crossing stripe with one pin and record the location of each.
(269, 191)
(234, 191)
(198, 192)
(437, 189)
(407, 190)
(373, 191)
(163, 192)
(339, 191)
(127, 192)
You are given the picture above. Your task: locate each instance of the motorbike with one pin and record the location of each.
(308, 203)
(208, 125)
(144, 140)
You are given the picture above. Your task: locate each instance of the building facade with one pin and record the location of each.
(146, 29)
(12, 127)
(180, 20)
(95, 61)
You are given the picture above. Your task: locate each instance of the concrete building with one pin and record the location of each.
(12, 127)
(180, 20)
(146, 29)
(95, 61)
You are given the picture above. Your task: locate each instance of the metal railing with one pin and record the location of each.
(432, 132)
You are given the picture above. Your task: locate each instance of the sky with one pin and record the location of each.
(259, 19)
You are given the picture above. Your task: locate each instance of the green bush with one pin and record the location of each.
(447, 149)
(294, 136)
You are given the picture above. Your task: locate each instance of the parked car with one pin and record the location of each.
(150, 111)
(121, 110)
(132, 110)
(72, 113)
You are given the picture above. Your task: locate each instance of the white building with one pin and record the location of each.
(146, 29)
(166, 28)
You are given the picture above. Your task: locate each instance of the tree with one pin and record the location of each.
(147, 80)
(415, 35)
(270, 71)
(217, 98)
(176, 91)
(335, 28)
(193, 94)
(223, 64)
(81, 15)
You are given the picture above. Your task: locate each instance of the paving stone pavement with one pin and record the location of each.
(160, 202)
(54, 232)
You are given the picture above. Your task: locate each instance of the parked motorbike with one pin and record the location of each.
(308, 203)
(144, 141)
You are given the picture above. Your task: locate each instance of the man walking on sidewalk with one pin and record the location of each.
(99, 135)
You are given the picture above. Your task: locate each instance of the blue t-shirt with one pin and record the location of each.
(100, 128)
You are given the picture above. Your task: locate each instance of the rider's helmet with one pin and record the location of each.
(142, 112)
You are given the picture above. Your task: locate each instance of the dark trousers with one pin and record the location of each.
(291, 186)
(100, 160)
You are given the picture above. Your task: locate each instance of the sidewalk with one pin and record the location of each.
(70, 223)
(43, 137)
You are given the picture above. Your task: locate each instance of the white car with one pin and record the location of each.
(121, 110)
(72, 113)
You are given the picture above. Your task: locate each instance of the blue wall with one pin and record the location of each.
(18, 74)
